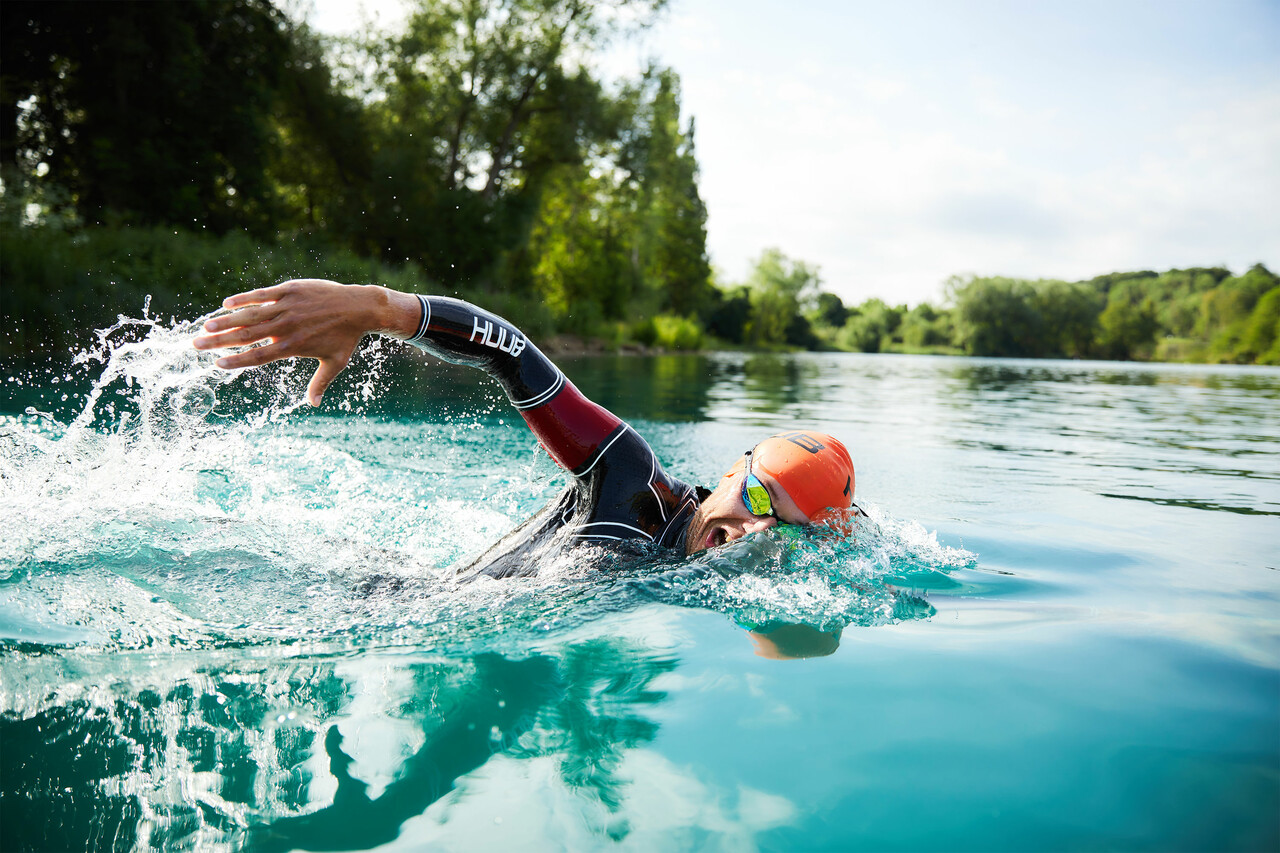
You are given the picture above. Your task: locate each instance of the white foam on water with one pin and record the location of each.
(209, 576)
(187, 506)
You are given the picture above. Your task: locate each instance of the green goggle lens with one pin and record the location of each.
(756, 496)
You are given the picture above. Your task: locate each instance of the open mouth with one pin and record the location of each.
(718, 536)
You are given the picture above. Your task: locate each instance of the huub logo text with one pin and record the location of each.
(484, 330)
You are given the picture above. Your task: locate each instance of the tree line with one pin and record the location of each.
(476, 150)
(1199, 315)
(188, 150)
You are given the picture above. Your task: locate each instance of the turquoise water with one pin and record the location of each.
(228, 622)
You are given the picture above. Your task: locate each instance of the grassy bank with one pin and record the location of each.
(60, 285)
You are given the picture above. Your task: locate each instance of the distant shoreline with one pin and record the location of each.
(62, 284)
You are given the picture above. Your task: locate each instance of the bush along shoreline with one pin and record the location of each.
(542, 189)
(61, 283)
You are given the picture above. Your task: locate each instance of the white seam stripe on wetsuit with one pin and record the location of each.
(618, 482)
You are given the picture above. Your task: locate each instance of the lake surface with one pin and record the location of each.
(227, 622)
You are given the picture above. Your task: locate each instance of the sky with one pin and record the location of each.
(894, 145)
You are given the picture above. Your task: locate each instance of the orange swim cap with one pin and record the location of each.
(812, 467)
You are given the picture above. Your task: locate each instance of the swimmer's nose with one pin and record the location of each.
(757, 524)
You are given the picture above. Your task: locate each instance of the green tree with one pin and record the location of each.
(1226, 311)
(671, 218)
(730, 314)
(627, 229)
(781, 289)
(581, 266)
(869, 327)
(925, 326)
(1069, 318)
(481, 104)
(155, 113)
(1261, 339)
(1125, 329)
(829, 310)
(1178, 294)
(995, 316)
(322, 161)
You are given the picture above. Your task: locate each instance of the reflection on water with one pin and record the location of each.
(237, 628)
(321, 755)
(1191, 504)
(1118, 429)
(777, 384)
(676, 388)
(670, 388)
(197, 601)
(1200, 438)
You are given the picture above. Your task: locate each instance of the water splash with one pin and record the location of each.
(201, 575)
(873, 574)
(136, 523)
(185, 507)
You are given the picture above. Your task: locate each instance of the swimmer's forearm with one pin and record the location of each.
(393, 313)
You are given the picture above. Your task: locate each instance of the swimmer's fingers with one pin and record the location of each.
(238, 336)
(277, 292)
(260, 296)
(244, 317)
(325, 374)
(305, 318)
(255, 357)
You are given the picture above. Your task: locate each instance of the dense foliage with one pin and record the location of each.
(188, 150)
(1179, 315)
(1205, 315)
(475, 151)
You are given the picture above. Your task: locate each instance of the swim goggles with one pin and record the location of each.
(754, 495)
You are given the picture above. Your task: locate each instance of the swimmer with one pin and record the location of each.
(619, 490)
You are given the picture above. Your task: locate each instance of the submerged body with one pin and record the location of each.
(619, 492)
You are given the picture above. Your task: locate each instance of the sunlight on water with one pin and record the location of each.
(228, 621)
(201, 573)
(185, 506)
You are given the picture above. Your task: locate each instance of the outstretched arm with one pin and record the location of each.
(308, 318)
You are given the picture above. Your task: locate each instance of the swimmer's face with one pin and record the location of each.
(723, 517)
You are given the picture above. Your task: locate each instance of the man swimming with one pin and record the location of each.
(619, 492)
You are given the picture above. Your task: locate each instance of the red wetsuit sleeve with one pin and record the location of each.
(572, 428)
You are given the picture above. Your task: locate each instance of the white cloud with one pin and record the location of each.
(895, 145)
(973, 152)
(662, 806)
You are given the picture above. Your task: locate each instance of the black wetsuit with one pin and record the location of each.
(619, 490)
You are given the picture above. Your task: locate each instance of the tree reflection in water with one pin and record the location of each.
(243, 757)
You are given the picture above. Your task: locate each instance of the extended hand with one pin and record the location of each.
(305, 318)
